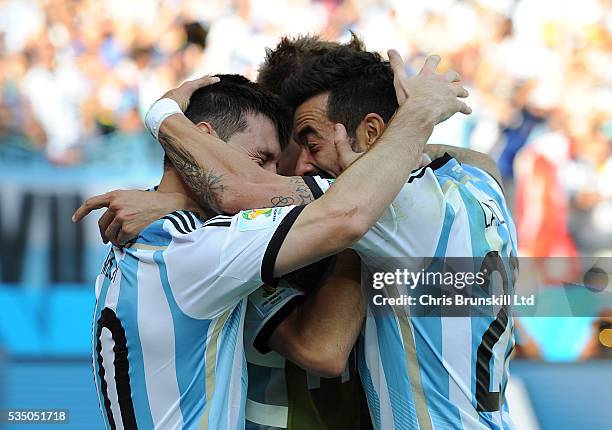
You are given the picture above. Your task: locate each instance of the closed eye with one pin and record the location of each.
(305, 134)
(312, 147)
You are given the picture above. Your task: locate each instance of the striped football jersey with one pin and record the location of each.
(439, 370)
(168, 326)
(281, 395)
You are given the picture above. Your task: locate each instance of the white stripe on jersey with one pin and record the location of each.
(160, 374)
(237, 399)
(377, 372)
(457, 331)
(457, 336)
(112, 296)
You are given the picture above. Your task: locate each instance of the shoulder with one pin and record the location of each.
(184, 223)
(175, 225)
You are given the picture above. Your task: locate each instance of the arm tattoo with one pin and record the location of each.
(282, 201)
(301, 194)
(206, 184)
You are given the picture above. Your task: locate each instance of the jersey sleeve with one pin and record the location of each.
(434, 215)
(411, 225)
(219, 263)
(267, 307)
(317, 185)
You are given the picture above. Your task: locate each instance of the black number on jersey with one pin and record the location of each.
(491, 401)
(492, 213)
(110, 266)
(108, 319)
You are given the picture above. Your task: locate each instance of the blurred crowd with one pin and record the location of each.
(540, 76)
(76, 73)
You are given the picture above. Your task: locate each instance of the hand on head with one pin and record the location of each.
(342, 142)
(182, 93)
(435, 93)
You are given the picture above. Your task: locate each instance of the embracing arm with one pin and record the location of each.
(369, 185)
(319, 334)
(467, 156)
(359, 197)
(222, 178)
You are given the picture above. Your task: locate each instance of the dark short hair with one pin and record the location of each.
(359, 83)
(225, 105)
(291, 53)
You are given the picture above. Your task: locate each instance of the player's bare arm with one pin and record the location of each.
(344, 214)
(222, 178)
(229, 181)
(226, 180)
(319, 334)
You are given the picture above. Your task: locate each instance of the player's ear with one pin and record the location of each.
(207, 127)
(369, 130)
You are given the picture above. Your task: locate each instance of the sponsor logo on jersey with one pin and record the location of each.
(251, 214)
(254, 219)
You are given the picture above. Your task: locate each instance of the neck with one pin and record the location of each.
(171, 182)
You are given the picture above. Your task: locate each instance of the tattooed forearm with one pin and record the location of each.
(206, 185)
(301, 190)
(301, 194)
(282, 201)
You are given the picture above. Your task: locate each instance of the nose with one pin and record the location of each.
(305, 163)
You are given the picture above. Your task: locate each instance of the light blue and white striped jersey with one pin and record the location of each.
(281, 395)
(168, 325)
(439, 372)
(267, 401)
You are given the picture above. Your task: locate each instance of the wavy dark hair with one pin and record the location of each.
(290, 55)
(358, 82)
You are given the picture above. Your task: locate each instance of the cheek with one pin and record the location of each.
(326, 158)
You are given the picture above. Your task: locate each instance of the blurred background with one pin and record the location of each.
(76, 78)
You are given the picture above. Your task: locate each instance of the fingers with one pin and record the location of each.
(104, 222)
(396, 62)
(346, 155)
(452, 76)
(123, 237)
(400, 92)
(342, 142)
(203, 81)
(431, 63)
(91, 204)
(341, 136)
(112, 231)
(399, 72)
(461, 92)
(463, 108)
